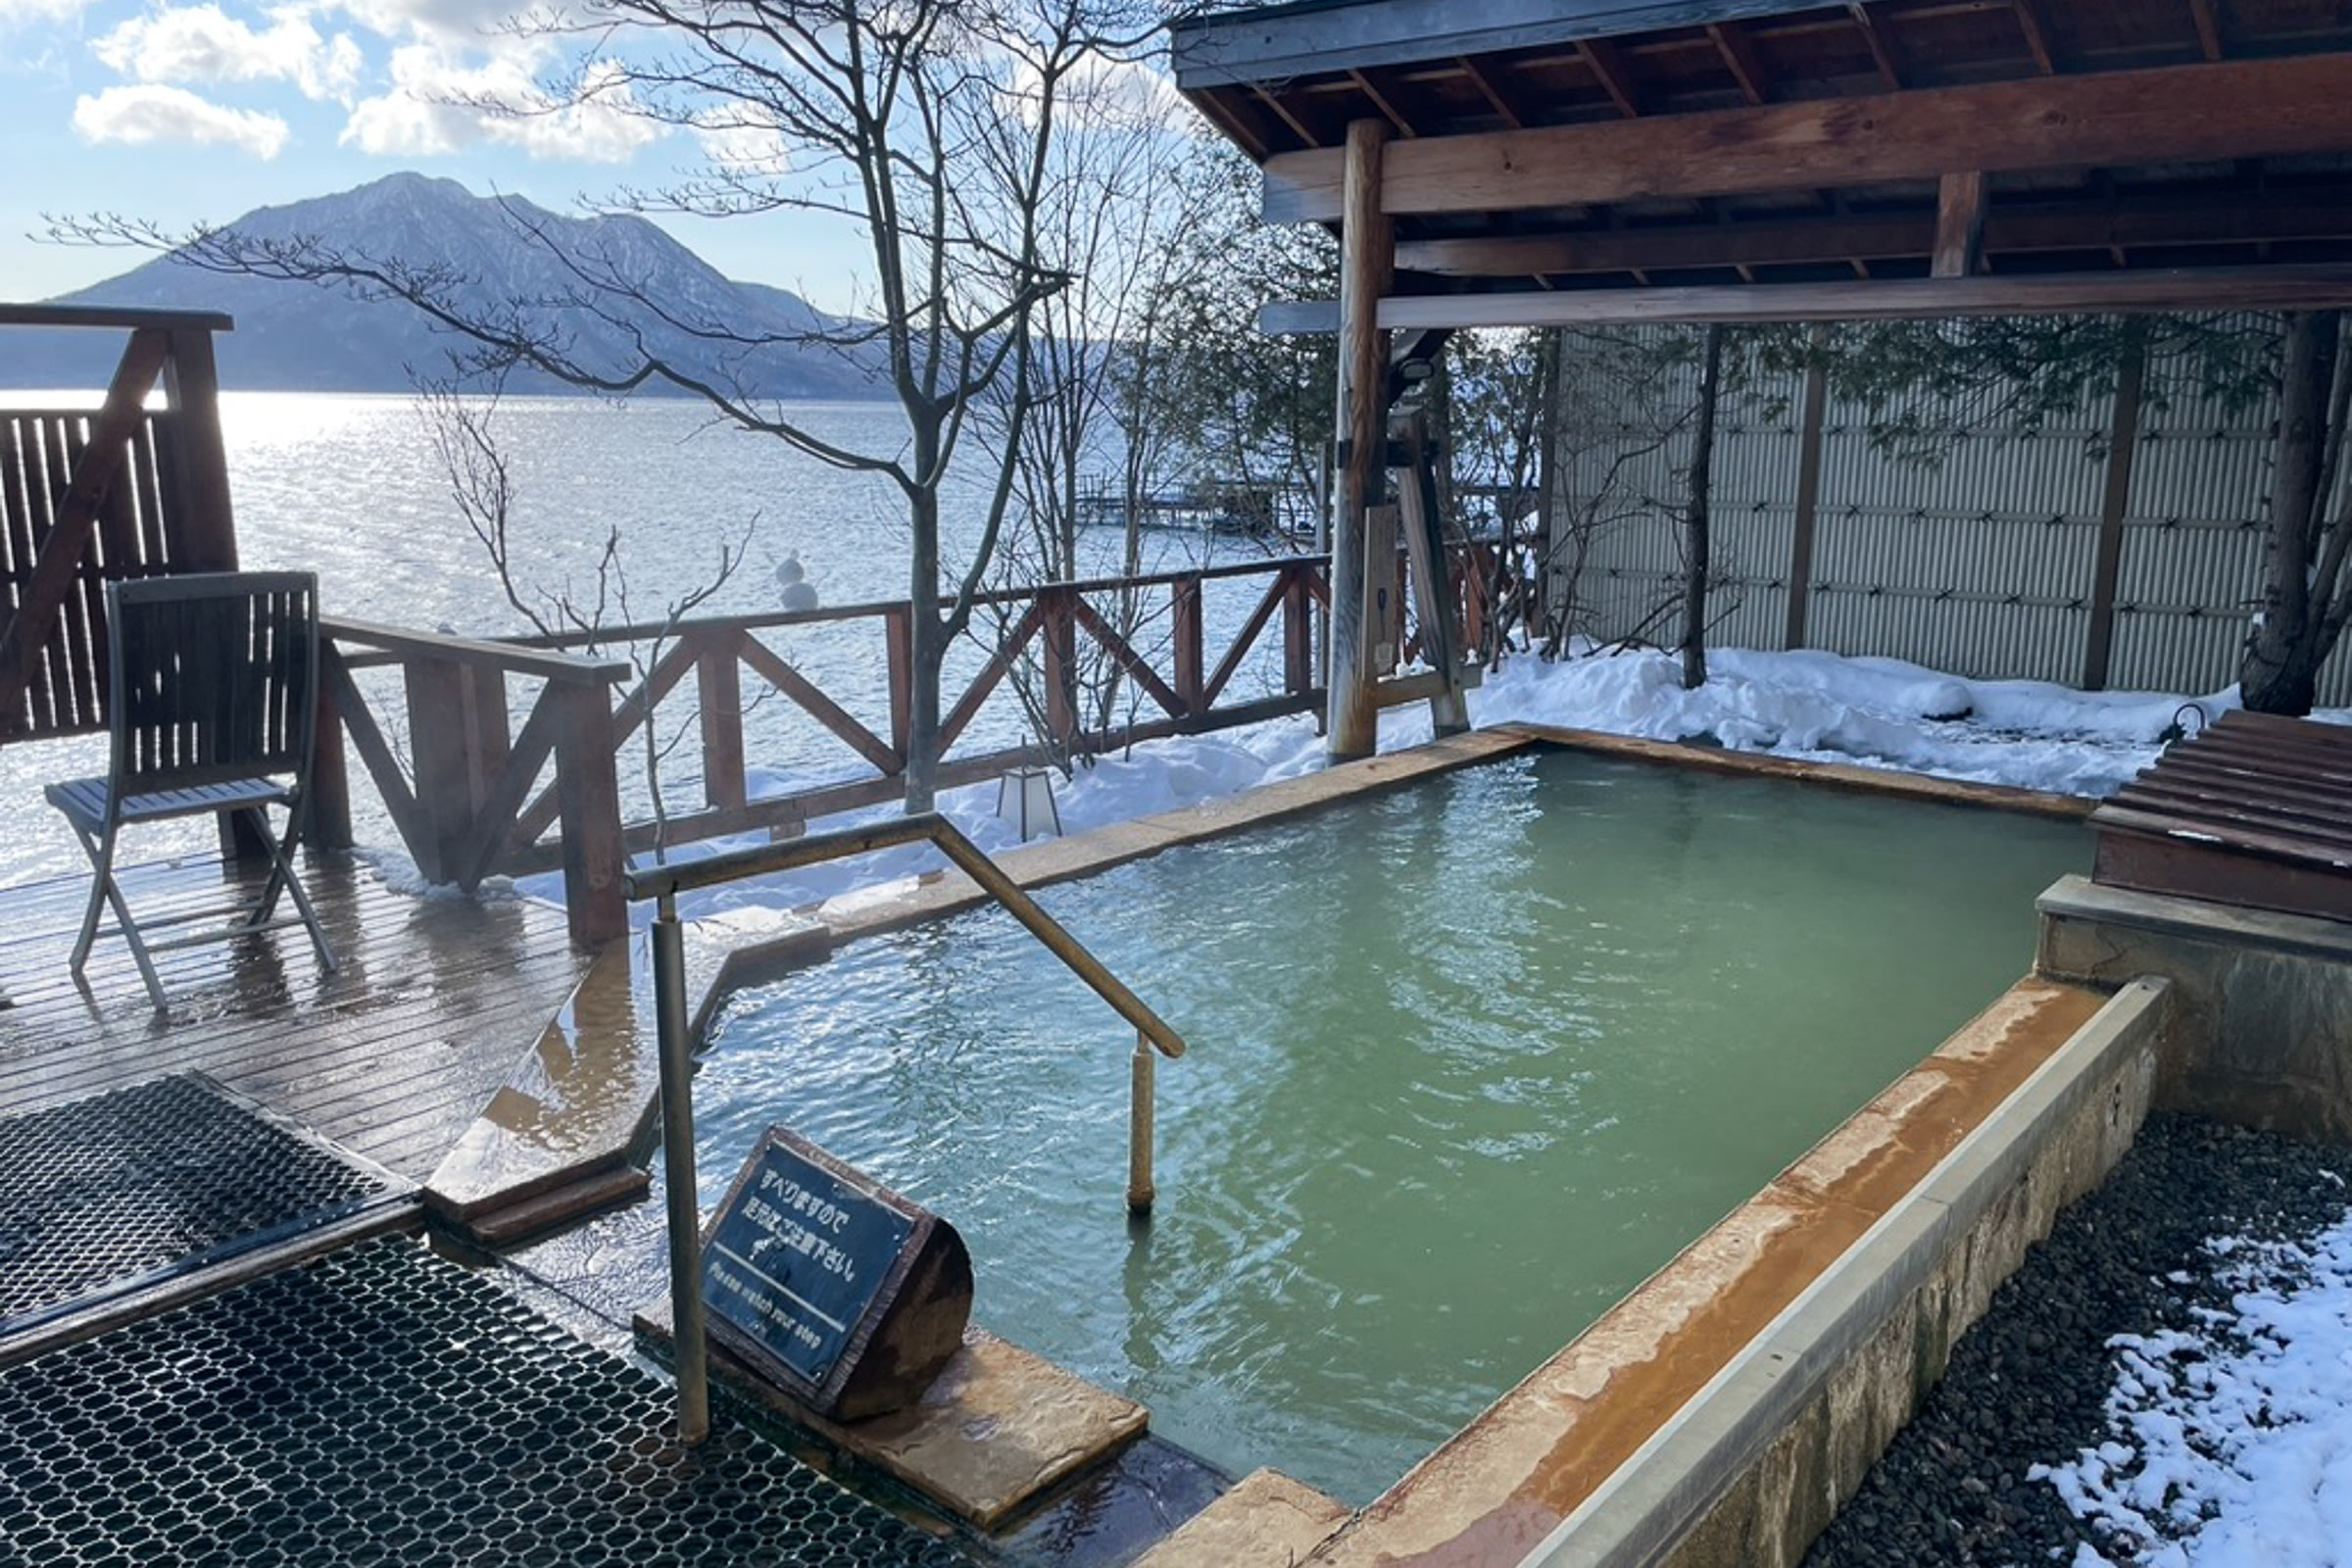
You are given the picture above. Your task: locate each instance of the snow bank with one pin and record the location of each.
(2233, 1440)
(1808, 704)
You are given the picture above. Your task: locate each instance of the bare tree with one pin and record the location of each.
(2306, 598)
(482, 487)
(928, 125)
(1696, 517)
(1115, 197)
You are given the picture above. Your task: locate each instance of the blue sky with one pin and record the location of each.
(178, 113)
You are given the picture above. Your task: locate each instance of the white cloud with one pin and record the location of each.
(1103, 92)
(26, 13)
(743, 138)
(142, 116)
(204, 44)
(449, 22)
(439, 105)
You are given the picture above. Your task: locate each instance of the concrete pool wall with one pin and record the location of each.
(1718, 1414)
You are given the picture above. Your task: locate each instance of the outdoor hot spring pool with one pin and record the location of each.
(1468, 1061)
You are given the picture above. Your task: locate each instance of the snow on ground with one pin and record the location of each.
(1874, 712)
(2233, 1445)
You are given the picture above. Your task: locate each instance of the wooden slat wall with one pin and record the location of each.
(39, 449)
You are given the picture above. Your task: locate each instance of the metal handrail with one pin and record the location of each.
(665, 883)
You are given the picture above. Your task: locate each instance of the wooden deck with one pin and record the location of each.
(392, 1056)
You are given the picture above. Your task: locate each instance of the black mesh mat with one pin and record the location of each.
(99, 1193)
(383, 1406)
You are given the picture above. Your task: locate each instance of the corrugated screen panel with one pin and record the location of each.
(1980, 562)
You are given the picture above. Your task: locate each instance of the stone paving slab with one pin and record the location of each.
(1268, 1521)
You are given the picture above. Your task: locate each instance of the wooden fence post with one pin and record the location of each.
(437, 726)
(207, 535)
(588, 796)
(897, 637)
(1185, 612)
(1060, 635)
(718, 689)
(1298, 632)
(326, 820)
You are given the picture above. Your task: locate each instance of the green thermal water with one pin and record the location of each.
(1468, 1063)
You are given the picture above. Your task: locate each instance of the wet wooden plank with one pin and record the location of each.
(392, 1056)
(2254, 812)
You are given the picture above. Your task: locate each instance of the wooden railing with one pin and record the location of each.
(475, 796)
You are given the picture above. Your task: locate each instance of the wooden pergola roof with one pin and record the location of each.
(1731, 159)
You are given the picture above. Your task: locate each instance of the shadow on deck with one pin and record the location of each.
(392, 1056)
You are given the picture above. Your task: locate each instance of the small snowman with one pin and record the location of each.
(797, 591)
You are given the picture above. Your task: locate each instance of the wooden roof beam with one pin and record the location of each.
(1802, 241)
(1959, 226)
(1920, 299)
(2234, 109)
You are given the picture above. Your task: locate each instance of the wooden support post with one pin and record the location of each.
(1442, 641)
(1059, 634)
(1384, 609)
(1476, 569)
(1298, 632)
(1808, 490)
(1367, 251)
(206, 536)
(1959, 226)
(327, 814)
(1187, 635)
(588, 790)
(718, 692)
(2115, 504)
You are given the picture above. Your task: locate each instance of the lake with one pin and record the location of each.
(350, 486)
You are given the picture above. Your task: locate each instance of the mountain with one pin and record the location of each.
(299, 336)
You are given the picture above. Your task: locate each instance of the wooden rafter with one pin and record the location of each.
(1608, 64)
(1739, 57)
(1299, 128)
(1484, 81)
(2249, 108)
(2034, 22)
(1385, 102)
(1882, 44)
(2209, 28)
(1234, 122)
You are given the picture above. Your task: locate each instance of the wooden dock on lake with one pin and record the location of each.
(392, 1056)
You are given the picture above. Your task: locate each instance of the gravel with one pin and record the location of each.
(2029, 1383)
